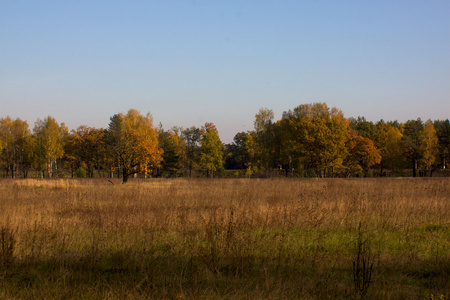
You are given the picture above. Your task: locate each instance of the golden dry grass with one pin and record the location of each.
(239, 238)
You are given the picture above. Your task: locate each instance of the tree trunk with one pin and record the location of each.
(291, 171)
(49, 169)
(125, 175)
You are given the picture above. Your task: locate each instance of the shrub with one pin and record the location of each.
(80, 173)
(369, 173)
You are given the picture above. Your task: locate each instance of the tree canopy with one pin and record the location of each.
(310, 140)
(133, 140)
(211, 157)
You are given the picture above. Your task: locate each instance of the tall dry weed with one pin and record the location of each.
(8, 242)
(362, 265)
(279, 238)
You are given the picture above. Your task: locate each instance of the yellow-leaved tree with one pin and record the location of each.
(391, 147)
(428, 146)
(133, 139)
(49, 144)
(15, 144)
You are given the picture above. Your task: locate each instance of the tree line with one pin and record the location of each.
(311, 140)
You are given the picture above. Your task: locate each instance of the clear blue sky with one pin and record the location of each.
(191, 62)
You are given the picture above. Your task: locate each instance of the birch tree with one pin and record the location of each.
(49, 146)
(428, 146)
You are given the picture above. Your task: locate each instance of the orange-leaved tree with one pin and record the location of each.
(133, 140)
(362, 154)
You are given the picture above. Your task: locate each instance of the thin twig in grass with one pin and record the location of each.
(8, 241)
(362, 266)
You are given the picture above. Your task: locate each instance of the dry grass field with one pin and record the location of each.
(225, 239)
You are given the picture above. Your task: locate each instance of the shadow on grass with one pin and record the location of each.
(124, 274)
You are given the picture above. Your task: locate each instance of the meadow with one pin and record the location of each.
(377, 238)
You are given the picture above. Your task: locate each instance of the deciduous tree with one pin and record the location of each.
(133, 140)
(391, 146)
(86, 146)
(362, 154)
(49, 143)
(366, 129)
(428, 146)
(237, 156)
(211, 157)
(15, 141)
(316, 137)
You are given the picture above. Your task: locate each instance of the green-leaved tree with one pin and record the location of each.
(211, 157)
